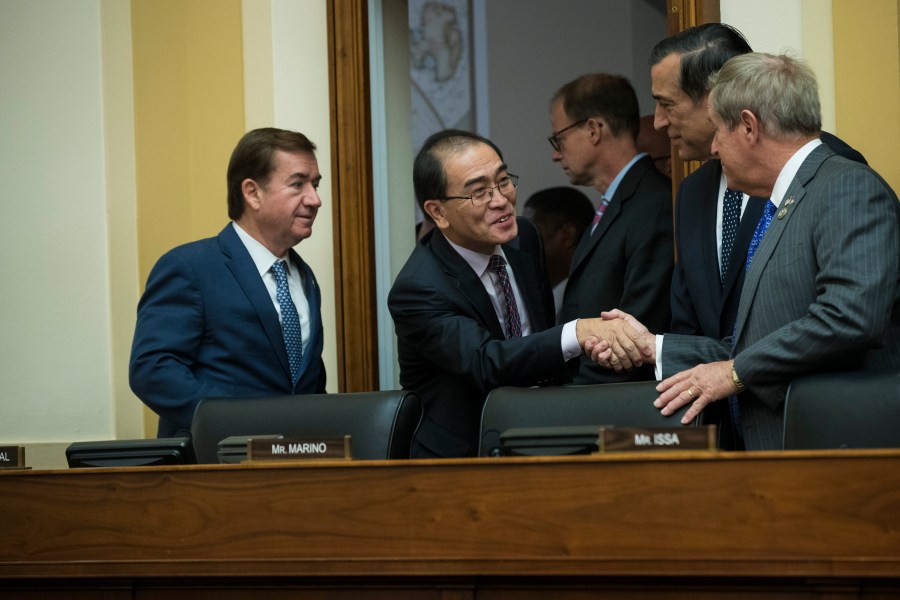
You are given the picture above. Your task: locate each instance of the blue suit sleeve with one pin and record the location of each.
(167, 336)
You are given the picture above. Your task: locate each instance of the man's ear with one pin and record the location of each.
(598, 129)
(749, 126)
(435, 210)
(251, 191)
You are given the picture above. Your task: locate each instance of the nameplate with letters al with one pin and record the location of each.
(262, 449)
(12, 457)
(630, 439)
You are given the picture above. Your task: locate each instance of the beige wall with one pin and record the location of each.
(56, 380)
(867, 70)
(188, 109)
(852, 45)
(299, 49)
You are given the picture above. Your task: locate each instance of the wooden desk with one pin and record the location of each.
(664, 525)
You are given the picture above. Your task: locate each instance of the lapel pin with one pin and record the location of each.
(783, 211)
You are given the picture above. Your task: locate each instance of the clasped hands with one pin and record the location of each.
(617, 341)
(620, 342)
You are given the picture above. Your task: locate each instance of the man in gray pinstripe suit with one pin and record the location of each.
(821, 289)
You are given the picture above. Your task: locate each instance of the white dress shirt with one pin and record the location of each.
(264, 259)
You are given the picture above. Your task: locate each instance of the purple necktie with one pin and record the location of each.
(497, 264)
(604, 202)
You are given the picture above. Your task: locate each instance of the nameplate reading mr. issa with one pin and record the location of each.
(627, 439)
(298, 449)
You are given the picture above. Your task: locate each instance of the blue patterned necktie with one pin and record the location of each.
(513, 324)
(764, 221)
(731, 218)
(761, 227)
(290, 322)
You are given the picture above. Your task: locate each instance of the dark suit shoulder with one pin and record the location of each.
(642, 178)
(709, 172)
(842, 148)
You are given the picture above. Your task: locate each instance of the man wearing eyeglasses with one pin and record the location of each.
(626, 256)
(472, 307)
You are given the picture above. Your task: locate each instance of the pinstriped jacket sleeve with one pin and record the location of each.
(821, 287)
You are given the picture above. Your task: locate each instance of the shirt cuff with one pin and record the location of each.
(569, 341)
(657, 368)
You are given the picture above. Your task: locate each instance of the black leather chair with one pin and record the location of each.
(612, 404)
(843, 410)
(382, 424)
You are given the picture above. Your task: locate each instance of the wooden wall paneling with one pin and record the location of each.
(354, 236)
(653, 524)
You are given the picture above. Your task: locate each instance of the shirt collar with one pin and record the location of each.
(476, 260)
(262, 257)
(789, 171)
(621, 175)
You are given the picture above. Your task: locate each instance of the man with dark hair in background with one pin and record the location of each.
(625, 257)
(238, 314)
(472, 306)
(561, 215)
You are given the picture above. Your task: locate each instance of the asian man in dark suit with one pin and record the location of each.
(822, 289)
(238, 314)
(472, 307)
(709, 273)
(625, 257)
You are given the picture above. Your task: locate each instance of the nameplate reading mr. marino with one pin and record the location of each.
(298, 449)
(627, 439)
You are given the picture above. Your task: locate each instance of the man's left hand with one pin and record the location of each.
(698, 387)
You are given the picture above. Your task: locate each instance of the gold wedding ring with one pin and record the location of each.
(690, 393)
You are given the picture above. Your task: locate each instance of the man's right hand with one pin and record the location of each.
(614, 342)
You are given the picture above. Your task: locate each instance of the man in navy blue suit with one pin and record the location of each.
(237, 314)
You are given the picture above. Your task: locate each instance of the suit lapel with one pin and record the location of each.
(789, 204)
(747, 226)
(709, 246)
(314, 343)
(528, 284)
(623, 193)
(466, 282)
(242, 267)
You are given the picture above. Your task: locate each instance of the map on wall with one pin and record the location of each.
(440, 67)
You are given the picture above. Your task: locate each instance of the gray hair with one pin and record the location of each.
(780, 90)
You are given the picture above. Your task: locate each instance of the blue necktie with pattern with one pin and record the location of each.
(761, 227)
(513, 324)
(290, 322)
(764, 221)
(731, 218)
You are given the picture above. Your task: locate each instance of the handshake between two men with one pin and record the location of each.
(620, 342)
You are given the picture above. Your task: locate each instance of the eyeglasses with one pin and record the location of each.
(554, 139)
(506, 186)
